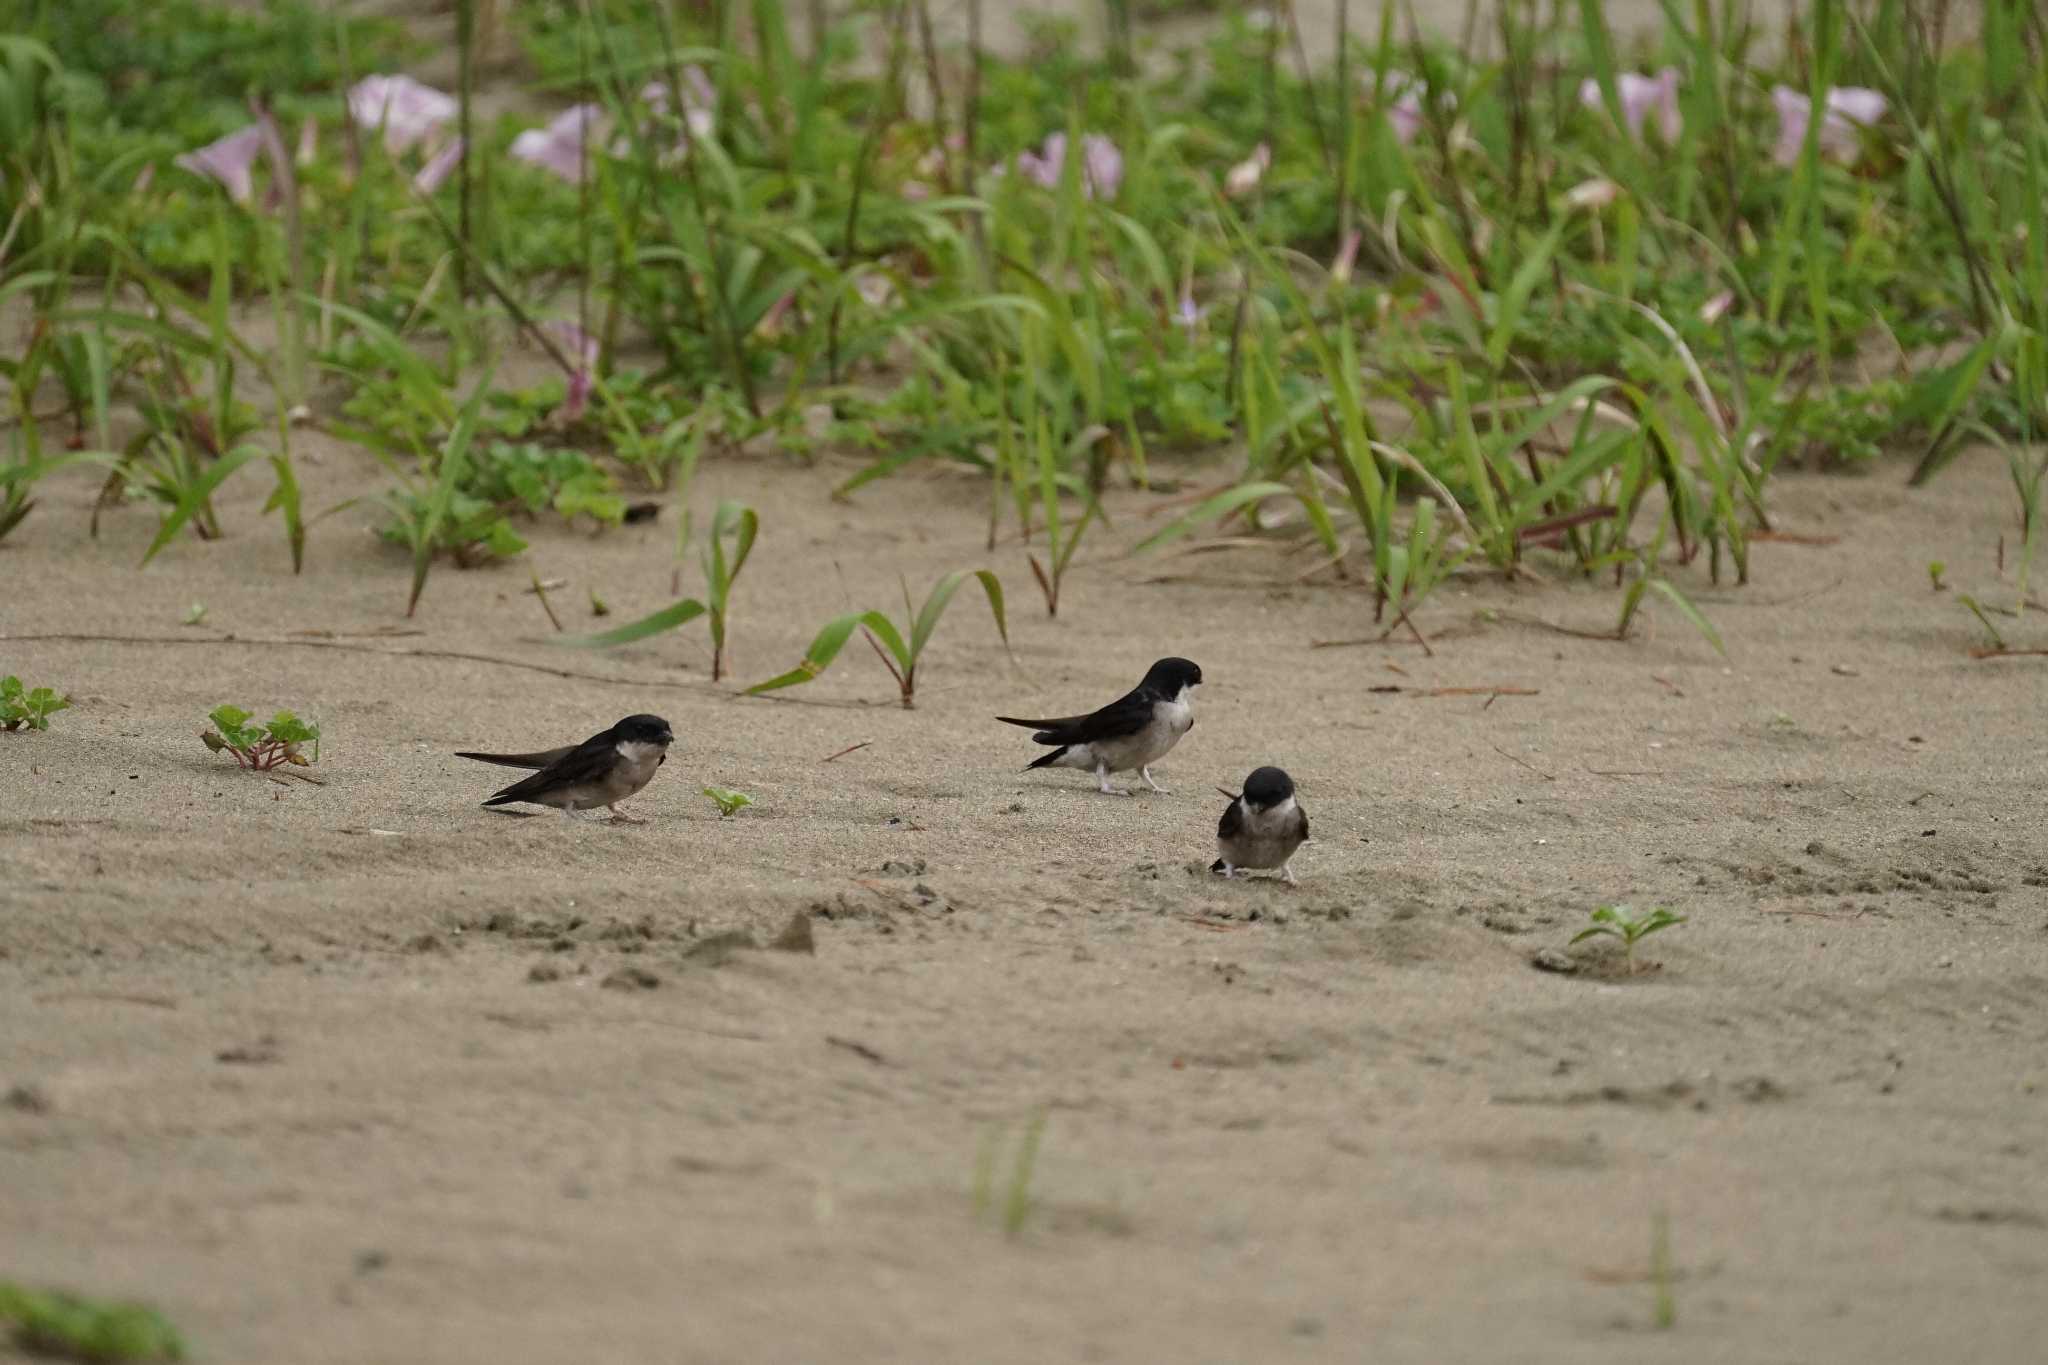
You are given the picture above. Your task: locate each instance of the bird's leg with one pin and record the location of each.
(1102, 780)
(1287, 873)
(620, 817)
(571, 813)
(1226, 871)
(1146, 773)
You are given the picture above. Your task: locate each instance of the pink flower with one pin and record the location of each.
(406, 110)
(1849, 108)
(559, 147)
(698, 100)
(1187, 314)
(1642, 96)
(1712, 310)
(1102, 165)
(229, 161)
(1401, 95)
(436, 172)
(1245, 176)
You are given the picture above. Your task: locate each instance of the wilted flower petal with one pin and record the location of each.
(405, 109)
(1592, 194)
(1642, 96)
(559, 146)
(699, 98)
(1848, 108)
(1347, 255)
(1245, 176)
(583, 347)
(229, 161)
(1712, 310)
(436, 172)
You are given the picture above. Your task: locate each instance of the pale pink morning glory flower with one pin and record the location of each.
(406, 110)
(1848, 109)
(436, 172)
(1245, 176)
(1102, 165)
(230, 161)
(1642, 96)
(559, 146)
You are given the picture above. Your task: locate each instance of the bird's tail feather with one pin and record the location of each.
(1047, 760)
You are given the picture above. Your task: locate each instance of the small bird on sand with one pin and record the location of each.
(601, 771)
(1262, 828)
(1134, 731)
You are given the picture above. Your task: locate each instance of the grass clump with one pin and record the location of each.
(52, 1323)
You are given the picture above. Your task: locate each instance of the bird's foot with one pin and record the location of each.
(620, 817)
(1226, 871)
(1287, 874)
(1146, 773)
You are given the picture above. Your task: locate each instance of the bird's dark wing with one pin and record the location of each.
(582, 763)
(1300, 823)
(1126, 715)
(1232, 823)
(539, 760)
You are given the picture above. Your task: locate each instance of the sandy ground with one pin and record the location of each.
(361, 1072)
(281, 1060)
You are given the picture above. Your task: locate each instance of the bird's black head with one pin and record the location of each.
(644, 730)
(1267, 787)
(1169, 676)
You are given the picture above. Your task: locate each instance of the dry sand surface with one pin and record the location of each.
(358, 1072)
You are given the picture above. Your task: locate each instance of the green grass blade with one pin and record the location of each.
(1690, 613)
(825, 648)
(654, 623)
(195, 497)
(454, 456)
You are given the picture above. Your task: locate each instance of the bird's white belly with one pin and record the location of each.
(1170, 721)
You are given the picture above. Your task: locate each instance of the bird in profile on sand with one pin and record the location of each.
(1133, 732)
(1262, 828)
(601, 771)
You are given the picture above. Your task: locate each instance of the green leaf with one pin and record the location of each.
(654, 623)
(729, 801)
(453, 457)
(195, 496)
(1690, 613)
(941, 594)
(830, 640)
(1213, 509)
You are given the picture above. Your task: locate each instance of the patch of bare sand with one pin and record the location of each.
(282, 1063)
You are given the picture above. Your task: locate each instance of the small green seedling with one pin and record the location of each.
(1998, 645)
(729, 802)
(900, 658)
(194, 615)
(19, 707)
(1017, 1201)
(1617, 921)
(1935, 569)
(47, 1322)
(261, 747)
(733, 520)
